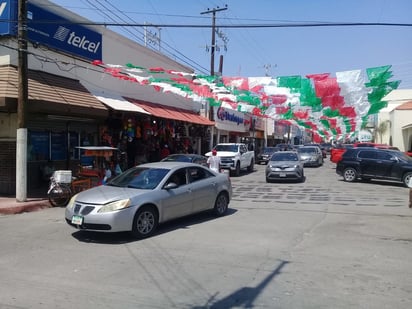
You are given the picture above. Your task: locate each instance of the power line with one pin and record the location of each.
(291, 25)
(169, 49)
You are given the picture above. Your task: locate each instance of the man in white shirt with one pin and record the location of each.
(214, 161)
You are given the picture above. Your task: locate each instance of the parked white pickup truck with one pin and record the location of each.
(234, 157)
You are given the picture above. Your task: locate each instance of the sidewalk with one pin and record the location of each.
(36, 200)
(10, 206)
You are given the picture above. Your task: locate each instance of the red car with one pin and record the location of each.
(337, 151)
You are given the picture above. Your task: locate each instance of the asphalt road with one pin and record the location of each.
(323, 243)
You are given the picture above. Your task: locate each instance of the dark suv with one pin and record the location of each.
(371, 163)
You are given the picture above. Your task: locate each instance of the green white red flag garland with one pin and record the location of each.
(327, 106)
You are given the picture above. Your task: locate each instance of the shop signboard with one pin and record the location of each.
(44, 27)
(49, 29)
(8, 17)
(231, 120)
(280, 130)
(259, 123)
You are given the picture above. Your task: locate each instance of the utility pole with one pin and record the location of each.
(21, 141)
(212, 60)
(212, 49)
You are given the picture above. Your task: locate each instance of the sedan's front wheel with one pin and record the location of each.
(349, 174)
(145, 222)
(221, 204)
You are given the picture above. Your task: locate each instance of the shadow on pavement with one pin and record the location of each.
(126, 237)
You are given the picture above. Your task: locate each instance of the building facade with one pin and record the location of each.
(73, 103)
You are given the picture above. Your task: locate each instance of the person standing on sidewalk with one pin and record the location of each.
(214, 161)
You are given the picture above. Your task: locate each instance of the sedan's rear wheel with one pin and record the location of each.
(145, 222)
(349, 174)
(407, 179)
(221, 204)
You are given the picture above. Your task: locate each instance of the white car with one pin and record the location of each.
(149, 194)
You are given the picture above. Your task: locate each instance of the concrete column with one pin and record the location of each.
(21, 165)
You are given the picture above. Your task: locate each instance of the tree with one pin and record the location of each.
(382, 128)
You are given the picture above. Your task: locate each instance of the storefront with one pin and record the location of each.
(73, 103)
(230, 126)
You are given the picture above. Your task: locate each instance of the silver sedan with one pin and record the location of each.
(311, 155)
(285, 165)
(149, 194)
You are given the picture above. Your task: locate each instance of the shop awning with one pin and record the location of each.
(170, 112)
(46, 87)
(118, 103)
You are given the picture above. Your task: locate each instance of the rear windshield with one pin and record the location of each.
(281, 156)
(231, 148)
(307, 149)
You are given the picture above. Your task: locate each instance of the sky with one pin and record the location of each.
(269, 51)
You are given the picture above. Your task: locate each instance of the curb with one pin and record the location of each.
(11, 206)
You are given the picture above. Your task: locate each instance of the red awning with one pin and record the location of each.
(170, 112)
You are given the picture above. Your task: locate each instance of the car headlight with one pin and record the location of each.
(118, 205)
(70, 205)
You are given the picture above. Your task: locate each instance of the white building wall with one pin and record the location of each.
(400, 118)
(384, 115)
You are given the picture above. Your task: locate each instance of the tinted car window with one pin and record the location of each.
(385, 156)
(367, 154)
(196, 173)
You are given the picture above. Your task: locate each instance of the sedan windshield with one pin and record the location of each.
(139, 178)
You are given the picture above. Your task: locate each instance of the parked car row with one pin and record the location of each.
(310, 154)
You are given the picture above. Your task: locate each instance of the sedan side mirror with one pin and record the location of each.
(171, 185)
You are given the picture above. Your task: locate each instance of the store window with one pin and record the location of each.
(38, 146)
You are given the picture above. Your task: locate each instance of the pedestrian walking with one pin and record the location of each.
(214, 161)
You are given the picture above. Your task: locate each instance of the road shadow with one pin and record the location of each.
(376, 182)
(245, 296)
(126, 237)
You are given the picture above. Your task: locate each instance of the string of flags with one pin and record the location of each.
(328, 106)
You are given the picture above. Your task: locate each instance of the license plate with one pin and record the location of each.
(77, 220)
(282, 175)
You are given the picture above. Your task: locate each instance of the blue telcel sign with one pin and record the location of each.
(44, 27)
(8, 17)
(47, 28)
